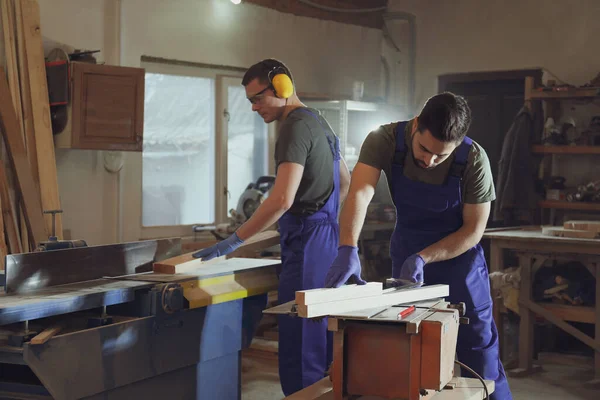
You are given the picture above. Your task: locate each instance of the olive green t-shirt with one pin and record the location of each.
(477, 185)
(302, 140)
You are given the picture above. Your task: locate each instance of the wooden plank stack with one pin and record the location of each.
(28, 176)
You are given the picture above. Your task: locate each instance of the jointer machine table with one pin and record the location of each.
(394, 343)
(98, 323)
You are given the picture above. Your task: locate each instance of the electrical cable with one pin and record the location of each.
(342, 10)
(487, 395)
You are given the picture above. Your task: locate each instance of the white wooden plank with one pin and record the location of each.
(232, 265)
(388, 299)
(324, 295)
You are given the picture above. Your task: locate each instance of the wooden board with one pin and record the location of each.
(182, 264)
(224, 288)
(185, 262)
(9, 216)
(10, 50)
(592, 226)
(388, 298)
(256, 243)
(569, 233)
(530, 235)
(3, 248)
(232, 265)
(323, 295)
(44, 139)
(27, 116)
(46, 334)
(20, 164)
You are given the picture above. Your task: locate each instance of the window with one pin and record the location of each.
(178, 178)
(246, 145)
(190, 112)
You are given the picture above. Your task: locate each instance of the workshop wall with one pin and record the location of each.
(473, 35)
(88, 192)
(325, 57)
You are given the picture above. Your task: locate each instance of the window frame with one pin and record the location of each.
(131, 184)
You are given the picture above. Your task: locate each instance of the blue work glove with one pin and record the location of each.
(412, 269)
(345, 265)
(220, 249)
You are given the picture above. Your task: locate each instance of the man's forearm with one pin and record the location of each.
(265, 215)
(452, 245)
(352, 217)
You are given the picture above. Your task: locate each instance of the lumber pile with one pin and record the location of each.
(575, 229)
(28, 176)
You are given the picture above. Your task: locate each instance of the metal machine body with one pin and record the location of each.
(120, 331)
(395, 358)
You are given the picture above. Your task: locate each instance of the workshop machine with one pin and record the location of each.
(250, 199)
(401, 351)
(96, 322)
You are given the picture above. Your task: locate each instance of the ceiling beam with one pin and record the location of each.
(373, 19)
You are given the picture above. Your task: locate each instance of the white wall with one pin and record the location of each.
(325, 57)
(473, 35)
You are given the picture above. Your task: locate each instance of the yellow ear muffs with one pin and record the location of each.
(283, 86)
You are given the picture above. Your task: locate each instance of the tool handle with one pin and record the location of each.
(406, 312)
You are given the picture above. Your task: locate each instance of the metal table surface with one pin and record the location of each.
(65, 299)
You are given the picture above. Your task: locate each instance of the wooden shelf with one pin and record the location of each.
(575, 93)
(569, 205)
(541, 149)
(572, 313)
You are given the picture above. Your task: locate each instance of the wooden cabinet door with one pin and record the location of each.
(107, 107)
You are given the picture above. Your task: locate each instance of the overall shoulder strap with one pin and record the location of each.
(457, 169)
(400, 153)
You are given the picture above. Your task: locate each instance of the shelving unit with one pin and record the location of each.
(533, 249)
(553, 97)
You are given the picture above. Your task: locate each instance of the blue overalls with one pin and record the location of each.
(308, 248)
(426, 214)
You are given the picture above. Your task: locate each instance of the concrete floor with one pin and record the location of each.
(260, 381)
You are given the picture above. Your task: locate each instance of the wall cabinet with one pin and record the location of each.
(106, 108)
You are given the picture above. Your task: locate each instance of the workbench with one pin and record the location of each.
(98, 323)
(533, 249)
(459, 389)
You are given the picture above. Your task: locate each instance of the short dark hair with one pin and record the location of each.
(261, 71)
(447, 116)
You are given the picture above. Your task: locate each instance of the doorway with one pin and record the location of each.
(495, 98)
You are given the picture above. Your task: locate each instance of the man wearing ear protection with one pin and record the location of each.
(311, 181)
(441, 184)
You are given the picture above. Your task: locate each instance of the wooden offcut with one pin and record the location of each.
(569, 233)
(20, 164)
(46, 334)
(591, 226)
(36, 68)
